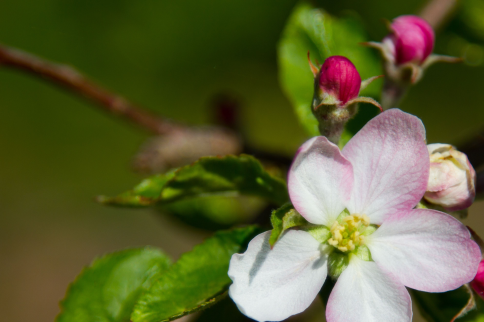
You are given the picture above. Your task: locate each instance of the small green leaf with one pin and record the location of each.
(107, 290)
(198, 280)
(209, 176)
(146, 193)
(474, 311)
(283, 219)
(443, 307)
(314, 30)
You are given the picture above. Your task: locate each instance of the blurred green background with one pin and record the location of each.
(58, 151)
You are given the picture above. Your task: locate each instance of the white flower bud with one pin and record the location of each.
(452, 178)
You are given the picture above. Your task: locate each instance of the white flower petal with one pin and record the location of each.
(437, 147)
(363, 293)
(320, 181)
(426, 250)
(271, 285)
(390, 163)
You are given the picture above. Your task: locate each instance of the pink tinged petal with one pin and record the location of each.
(364, 293)
(390, 163)
(271, 285)
(435, 147)
(452, 178)
(444, 175)
(426, 250)
(320, 181)
(455, 198)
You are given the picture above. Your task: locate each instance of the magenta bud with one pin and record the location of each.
(412, 39)
(478, 283)
(339, 78)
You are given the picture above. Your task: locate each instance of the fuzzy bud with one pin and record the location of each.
(407, 53)
(478, 283)
(339, 79)
(412, 39)
(336, 87)
(452, 178)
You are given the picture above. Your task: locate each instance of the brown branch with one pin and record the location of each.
(71, 79)
(436, 12)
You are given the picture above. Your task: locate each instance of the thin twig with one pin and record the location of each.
(71, 79)
(436, 12)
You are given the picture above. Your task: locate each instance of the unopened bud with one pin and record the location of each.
(336, 87)
(478, 283)
(452, 178)
(339, 79)
(412, 39)
(407, 53)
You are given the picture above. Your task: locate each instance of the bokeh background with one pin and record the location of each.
(59, 151)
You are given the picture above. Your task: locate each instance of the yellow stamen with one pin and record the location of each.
(346, 236)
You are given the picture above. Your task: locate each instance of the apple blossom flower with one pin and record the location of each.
(478, 283)
(452, 178)
(365, 232)
(337, 86)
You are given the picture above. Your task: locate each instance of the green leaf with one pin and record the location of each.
(209, 176)
(314, 30)
(283, 219)
(215, 212)
(146, 193)
(198, 280)
(443, 307)
(475, 314)
(108, 289)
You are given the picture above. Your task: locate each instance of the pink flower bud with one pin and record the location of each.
(478, 283)
(339, 78)
(412, 39)
(452, 178)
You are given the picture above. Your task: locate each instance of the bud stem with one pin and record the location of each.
(332, 119)
(392, 94)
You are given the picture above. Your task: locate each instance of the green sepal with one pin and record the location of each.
(337, 263)
(282, 219)
(342, 215)
(196, 281)
(108, 289)
(209, 176)
(363, 252)
(319, 232)
(370, 230)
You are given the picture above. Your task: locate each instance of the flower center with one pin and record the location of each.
(346, 234)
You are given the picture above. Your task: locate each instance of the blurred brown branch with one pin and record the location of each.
(436, 12)
(71, 79)
(178, 144)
